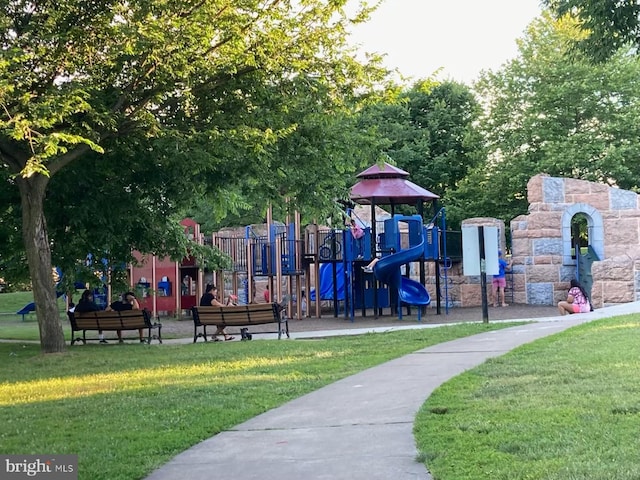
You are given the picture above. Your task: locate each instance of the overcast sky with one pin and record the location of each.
(461, 36)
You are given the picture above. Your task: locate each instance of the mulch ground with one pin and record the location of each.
(184, 327)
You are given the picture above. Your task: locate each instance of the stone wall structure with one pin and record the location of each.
(541, 241)
(541, 245)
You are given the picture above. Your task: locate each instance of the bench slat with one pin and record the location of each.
(233, 318)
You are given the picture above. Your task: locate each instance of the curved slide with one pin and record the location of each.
(387, 270)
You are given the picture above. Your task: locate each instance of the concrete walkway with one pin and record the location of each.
(359, 428)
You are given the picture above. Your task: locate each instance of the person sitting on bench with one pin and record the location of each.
(210, 298)
(87, 304)
(128, 302)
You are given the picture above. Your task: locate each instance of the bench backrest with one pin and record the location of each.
(110, 320)
(252, 314)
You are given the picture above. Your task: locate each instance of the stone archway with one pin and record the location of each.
(595, 228)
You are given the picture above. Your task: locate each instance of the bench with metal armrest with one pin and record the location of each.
(239, 316)
(110, 320)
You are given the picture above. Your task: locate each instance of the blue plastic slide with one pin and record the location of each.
(326, 282)
(387, 270)
(31, 307)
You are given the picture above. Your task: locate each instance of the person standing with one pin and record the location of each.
(357, 233)
(577, 300)
(303, 304)
(499, 282)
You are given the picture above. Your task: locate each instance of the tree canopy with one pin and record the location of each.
(136, 107)
(429, 131)
(609, 24)
(547, 113)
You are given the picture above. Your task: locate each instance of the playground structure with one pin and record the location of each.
(171, 288)
(388, 185)
(331, 259)
(167, 287)
(577, 229)
(271, 255)
(317, 264)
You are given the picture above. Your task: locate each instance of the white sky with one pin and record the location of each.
(461, 36)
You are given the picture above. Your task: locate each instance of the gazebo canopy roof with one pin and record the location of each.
(386, 171)
(388, 185)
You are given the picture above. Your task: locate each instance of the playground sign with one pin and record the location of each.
(480, 257)
(475, 262)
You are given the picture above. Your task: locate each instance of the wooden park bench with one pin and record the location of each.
(109, 320)
(239, 316)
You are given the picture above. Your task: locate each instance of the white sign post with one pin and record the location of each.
(480, 257)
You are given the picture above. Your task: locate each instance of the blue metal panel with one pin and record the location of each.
(431, 250)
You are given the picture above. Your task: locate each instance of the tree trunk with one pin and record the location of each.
(38, 250)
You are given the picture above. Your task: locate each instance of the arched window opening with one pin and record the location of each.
(579, 234)
(587, 232)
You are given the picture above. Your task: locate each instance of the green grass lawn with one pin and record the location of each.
(127, 409)
(15, 327)
(566, 407)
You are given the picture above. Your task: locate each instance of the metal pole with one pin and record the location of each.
(374, 239)
(483, 276)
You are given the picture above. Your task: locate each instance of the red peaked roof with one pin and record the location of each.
(387, 171)
(388, 186)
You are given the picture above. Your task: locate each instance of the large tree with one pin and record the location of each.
(429, 130)
(549, 113)
(313, 163)
(181, 78)
(610, 24)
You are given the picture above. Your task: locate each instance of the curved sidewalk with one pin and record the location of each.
(361, 427)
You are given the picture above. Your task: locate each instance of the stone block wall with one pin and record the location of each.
(541, 245)
(541, 241)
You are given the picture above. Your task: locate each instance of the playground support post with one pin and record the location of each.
(154, 284)
(438, 292)
(314, 270)
(250, 280)
(374, 239)
(298, 263)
